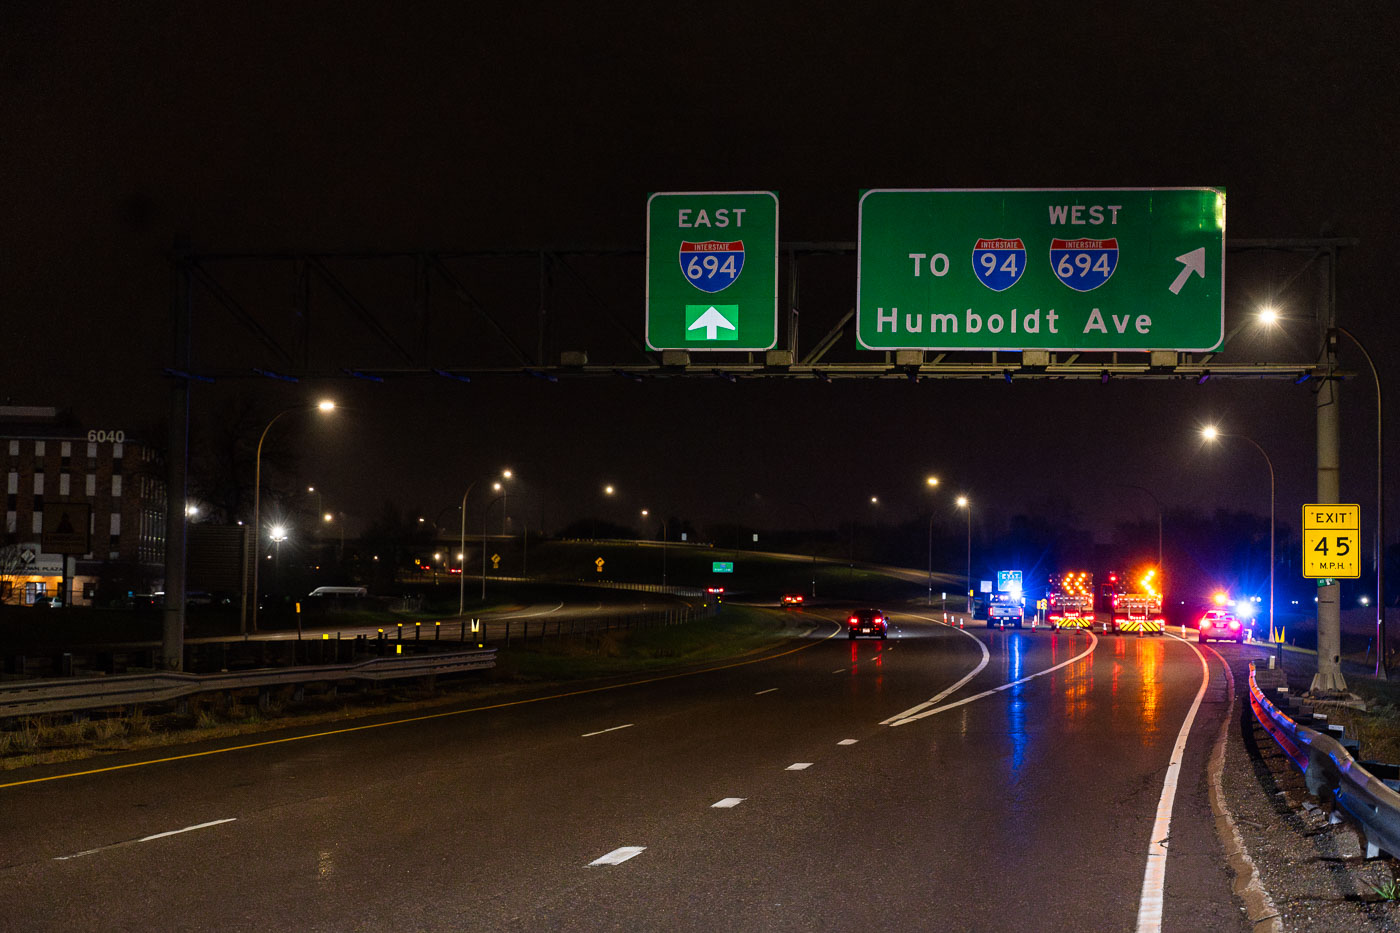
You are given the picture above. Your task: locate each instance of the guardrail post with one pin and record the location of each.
(417, 630)
(463, 639)
(437, 631)
(400, 629)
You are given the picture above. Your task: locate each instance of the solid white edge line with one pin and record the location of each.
(902, 719)
(762, 692)
(1149, 918)
(601, 731)
(132, 842)
(619, 855)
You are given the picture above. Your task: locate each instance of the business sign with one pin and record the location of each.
(1060, 269)
(1332, 541)
(66, 528)
(722, 566)
(712, 270)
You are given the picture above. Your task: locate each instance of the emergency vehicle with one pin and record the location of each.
(1007, 606)
(1071, 599)
(1140, 608)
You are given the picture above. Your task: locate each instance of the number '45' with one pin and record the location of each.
(1343, 547)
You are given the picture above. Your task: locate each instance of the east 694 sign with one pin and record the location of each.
(712, 270)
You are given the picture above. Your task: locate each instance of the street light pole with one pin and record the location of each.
(932, 481)
(1380, 513)
(965, 503)
(325, 406)
(1210, 434)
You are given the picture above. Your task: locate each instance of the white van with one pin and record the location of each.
(340, 591)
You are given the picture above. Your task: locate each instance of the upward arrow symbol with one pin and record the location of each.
(711, 321)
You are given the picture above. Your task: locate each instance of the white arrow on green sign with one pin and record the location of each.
(712, 270)
(1057, 269)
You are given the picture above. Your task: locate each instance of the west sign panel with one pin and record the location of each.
(712, 270)
(1055, 269)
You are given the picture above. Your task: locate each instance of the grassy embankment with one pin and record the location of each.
(736, 632)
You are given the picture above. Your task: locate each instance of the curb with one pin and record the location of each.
(1259, 907)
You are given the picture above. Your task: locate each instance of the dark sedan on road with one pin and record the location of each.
(867, 622)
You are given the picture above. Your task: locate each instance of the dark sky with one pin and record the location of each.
(367, 126)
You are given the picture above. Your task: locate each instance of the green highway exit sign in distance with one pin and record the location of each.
(712, 270)
(1056, 269)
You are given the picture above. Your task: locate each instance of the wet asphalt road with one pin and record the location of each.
(1023, 798)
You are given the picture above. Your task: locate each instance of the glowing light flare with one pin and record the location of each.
(1220, 598)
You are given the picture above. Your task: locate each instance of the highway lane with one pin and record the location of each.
(1028, 808)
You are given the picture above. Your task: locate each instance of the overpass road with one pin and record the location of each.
(943, 779)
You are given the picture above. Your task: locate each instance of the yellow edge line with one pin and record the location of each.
(400, 722)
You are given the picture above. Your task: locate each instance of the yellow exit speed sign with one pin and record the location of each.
(1332, 541)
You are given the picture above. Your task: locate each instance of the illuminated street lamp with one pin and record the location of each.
(462, 547)
(930, 482)
(1211, 433)
(324, 406)
(965, 503)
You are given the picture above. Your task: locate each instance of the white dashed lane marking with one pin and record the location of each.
(847, 742)
(618, 856)
(727, 803)
(132, 842)
(601, 731)
(798, 766)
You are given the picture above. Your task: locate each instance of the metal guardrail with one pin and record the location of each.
(1328, 768)
(68, 695)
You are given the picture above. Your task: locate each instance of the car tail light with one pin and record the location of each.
(852, 620)
(1205, 623)
(1234, 624)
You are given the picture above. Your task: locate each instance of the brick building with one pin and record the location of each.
(56, 474)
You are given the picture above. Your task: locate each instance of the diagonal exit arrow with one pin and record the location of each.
(1192, 262)
(711, 321)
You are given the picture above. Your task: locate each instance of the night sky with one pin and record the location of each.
(472, 126)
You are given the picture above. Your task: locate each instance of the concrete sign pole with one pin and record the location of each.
(1328, 679)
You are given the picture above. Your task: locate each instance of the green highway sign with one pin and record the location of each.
(712, 270)
(722, 566)
(1055, 269)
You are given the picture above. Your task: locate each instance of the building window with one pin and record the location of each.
(14, 448)
(13, 488)
(38, 484)
(65, 449)
(117, 451)
(38, 448)
(63, 484)
(116, 486)
(92, 451)
(38, 523)
(116, 528)
(11, 522)
(91, 485)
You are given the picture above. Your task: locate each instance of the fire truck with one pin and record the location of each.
(1139, 608)
(1071, 597)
